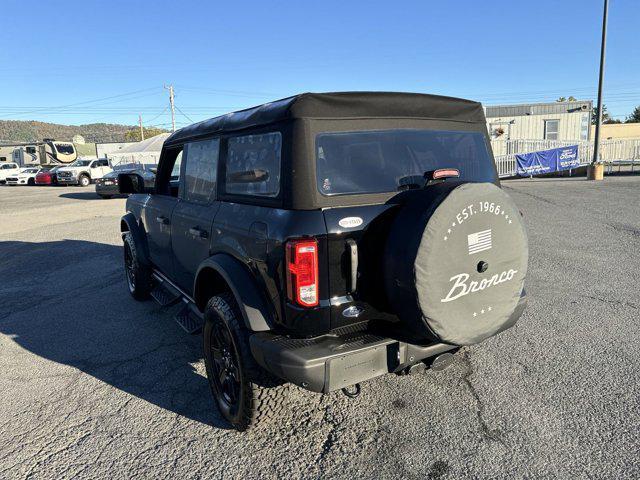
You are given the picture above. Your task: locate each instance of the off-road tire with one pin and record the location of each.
(84, 181)
(261, 394)
(140, 287)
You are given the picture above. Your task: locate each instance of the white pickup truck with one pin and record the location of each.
(83, 172)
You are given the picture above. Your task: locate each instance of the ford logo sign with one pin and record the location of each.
(350, 222)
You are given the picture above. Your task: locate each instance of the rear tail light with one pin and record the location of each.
(302, 272)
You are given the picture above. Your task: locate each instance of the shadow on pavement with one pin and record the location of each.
(88, 195)
(77, 311)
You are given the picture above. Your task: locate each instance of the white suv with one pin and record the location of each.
(83, 172)
(9, 169)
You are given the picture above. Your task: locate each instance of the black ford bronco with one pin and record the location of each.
(327, 239)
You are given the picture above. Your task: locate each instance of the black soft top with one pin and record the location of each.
(337, 105)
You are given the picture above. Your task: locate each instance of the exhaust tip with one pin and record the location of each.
(442, 361)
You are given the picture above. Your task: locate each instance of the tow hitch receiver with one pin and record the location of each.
(353, 391)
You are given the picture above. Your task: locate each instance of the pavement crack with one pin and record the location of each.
(614, 302)
(332, 437)
(485, 431)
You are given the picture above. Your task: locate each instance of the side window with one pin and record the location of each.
(177, 166)
(93, 165)
(30, 150)
(253, 165)
(200, 172)
(168, 174)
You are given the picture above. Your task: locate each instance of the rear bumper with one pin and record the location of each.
(332, 362)
(107, 189)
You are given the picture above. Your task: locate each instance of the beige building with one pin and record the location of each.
(612, 131)
(566, 121)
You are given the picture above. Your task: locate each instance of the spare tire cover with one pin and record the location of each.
(470, 265)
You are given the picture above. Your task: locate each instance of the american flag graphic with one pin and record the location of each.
(479, 241)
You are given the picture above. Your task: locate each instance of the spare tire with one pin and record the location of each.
(456, 261)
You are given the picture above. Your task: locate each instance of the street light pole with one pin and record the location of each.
(596, 142)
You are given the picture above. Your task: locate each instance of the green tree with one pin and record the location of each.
(565, 99)
(605, 115)
(133, 135)
(634, 117)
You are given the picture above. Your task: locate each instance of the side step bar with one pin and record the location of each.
(164, 293)
(189, 318)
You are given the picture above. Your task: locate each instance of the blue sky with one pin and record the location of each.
(91, 61)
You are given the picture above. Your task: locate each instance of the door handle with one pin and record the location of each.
(198, 232)
(162, 220)
(352, 252)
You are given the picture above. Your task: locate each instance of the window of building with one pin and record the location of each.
(200, 172)
(551, 129)
(253, 165)
(584, 127)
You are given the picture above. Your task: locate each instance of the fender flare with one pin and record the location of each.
(128, 223)
(249, 298)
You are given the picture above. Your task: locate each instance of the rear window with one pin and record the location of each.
(253, 165)
(380, 161)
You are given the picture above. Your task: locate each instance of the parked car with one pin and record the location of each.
(327, 239)
(107, 186)
(83, 172)
(47, 176)
(26, 176)
(8, 169)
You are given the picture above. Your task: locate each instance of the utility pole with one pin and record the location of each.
(173, 111)
(596, 170)
(141, 129)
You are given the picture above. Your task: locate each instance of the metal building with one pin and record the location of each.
(566, 121)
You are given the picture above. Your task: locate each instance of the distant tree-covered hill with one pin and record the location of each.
(30, 131)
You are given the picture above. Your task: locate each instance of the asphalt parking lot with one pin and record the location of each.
(95, 385)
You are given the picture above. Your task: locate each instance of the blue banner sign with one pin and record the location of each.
(547, 161)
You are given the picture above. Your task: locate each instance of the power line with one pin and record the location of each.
(185, 115)
(88, 101)
(158, 116)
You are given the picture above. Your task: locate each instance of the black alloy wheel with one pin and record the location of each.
(129, 267)
(226, 369)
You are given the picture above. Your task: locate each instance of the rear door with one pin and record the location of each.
(193, 216)
(103, 168)
(355, 252)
